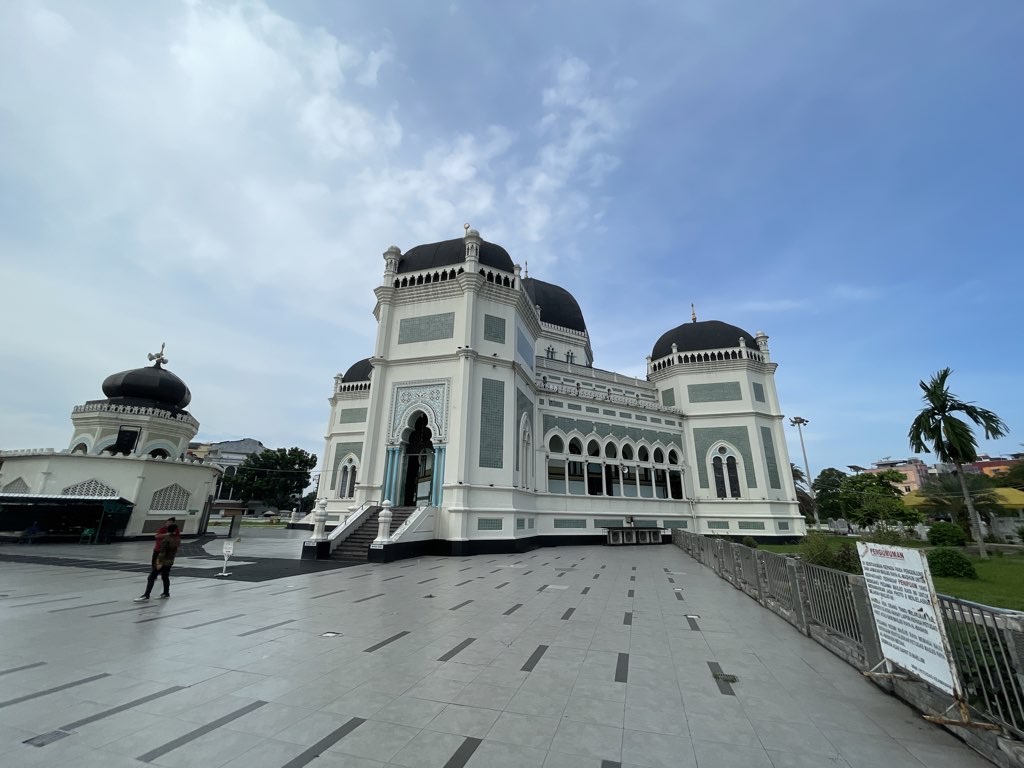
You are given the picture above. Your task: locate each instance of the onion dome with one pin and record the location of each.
(449, 252)
(557, 305)
(697, 336)
(358, 371)
(153, 386)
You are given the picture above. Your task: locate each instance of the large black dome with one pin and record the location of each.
(448, 252)
(147, 386)
(358, 371)
(557, 305)
(706, 334)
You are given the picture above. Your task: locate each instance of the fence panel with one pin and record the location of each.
(986, 644)
(776, 578)
(831, 601)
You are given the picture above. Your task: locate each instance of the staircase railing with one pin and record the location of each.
(411, 523)
(353, 521)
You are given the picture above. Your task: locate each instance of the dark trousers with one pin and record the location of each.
(165, 575)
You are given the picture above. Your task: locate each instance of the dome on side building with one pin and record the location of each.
(449, 252)
(153, 386)
(358, 371)
(702, 335)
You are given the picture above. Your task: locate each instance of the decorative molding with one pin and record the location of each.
(431, 396)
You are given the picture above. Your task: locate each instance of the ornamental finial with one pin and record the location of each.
(158, 357)
(693, 314)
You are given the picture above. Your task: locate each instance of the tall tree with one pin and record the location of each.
(275, 477)
(874, 499)
(803, 497)
(827, 492)
(942, 498)
(938, 429)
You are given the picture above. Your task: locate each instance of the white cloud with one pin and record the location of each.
(220, 177)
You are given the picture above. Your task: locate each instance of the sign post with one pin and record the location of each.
(229, 550)
(909, 622)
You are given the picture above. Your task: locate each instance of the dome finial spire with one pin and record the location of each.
(693, 313)
(158, 356)
(526, 269)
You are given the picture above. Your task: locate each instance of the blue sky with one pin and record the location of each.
(225, 176)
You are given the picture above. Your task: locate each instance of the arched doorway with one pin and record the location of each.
(419, 465)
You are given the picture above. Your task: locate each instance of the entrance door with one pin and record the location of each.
(419, 466)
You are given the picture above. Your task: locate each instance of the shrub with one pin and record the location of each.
(884, 536)
(816, 550)
(845, 557)
(946, 535)
(748, 541)
(948, 562)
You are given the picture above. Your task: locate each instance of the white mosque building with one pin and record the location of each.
(481, 418)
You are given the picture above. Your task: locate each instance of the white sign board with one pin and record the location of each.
(907, 614)
(229, 549)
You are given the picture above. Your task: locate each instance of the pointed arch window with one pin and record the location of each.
(719, 473)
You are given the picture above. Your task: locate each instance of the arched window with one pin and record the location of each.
(575, 446)
(734, 478)
(610, 452)
(593, 449)
(673, 457)
(659, 456)
(555, 444)
(627, 452)
(159, 453)
(716, 465)
(642, 454)
(80, 448)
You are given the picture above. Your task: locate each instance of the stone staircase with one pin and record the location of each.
(356, 546)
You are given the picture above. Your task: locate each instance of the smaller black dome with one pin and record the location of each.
(557, 305)
(359, 371)
(449, 252)
(706, 334)
(154, 386)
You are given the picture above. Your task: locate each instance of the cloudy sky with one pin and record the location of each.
(225, 176)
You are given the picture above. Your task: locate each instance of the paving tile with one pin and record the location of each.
(583, 709)
(524, 730)
(375, 739)
(658, 750)
(599, 741)
(465, 721)
(541, 704)
(484, 695)
(793, 737)
(715, 754)
(428, 749)
(408, 710)
(492, 754)
(725, 730)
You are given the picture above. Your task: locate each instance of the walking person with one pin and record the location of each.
(162, 562)
(160, 534)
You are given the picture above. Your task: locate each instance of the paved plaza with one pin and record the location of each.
(572, 657)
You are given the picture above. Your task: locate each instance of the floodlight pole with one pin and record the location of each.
(799, 422)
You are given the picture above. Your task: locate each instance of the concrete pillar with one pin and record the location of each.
(383, 523)
(319, 521)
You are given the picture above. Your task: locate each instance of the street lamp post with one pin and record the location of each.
(799, 422)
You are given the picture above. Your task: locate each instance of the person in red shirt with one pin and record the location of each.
(161, 532)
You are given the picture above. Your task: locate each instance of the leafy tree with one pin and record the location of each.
(803, 497)
(308, 502)
(938, 429)
(873, 499)
(827, 492)
(943, 499)
(275, 477)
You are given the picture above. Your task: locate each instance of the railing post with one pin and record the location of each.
(800, 608)
(866, 621)
(759, 574)
(383, 523)
(320, 521)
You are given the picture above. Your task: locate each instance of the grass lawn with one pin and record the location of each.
(1000, 582)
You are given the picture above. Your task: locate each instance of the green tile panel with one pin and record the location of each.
(739, 437)
(770, 460)
(492, 423)
(494, 328)
(352, 416)
(720, 392)
(412, 330)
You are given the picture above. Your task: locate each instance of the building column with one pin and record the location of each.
(437, 480)
(391, 472)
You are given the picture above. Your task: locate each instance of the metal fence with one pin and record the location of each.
(988, 646)
(832, 607)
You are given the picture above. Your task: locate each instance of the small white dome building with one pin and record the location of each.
(125, 470)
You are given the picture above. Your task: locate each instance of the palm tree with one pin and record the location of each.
(803, 497)
(942, 497)
(937, 429)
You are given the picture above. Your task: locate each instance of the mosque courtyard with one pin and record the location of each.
(570, 657)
